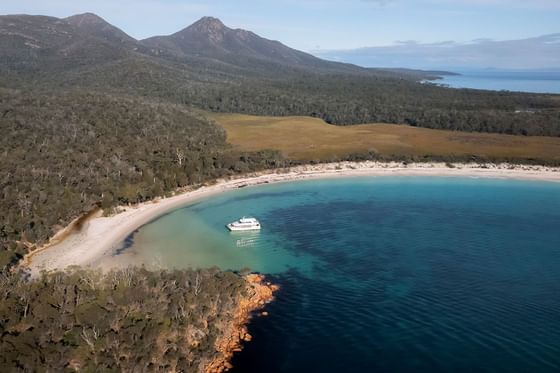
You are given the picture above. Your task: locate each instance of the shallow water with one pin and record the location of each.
(385, 274)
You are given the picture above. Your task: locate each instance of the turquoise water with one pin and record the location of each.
(389, 274)
(536, 82)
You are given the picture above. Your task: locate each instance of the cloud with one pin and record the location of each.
(503, 4)
(534, 53)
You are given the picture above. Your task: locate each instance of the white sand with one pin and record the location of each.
(100, 236)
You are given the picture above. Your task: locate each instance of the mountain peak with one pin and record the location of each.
(210, 21)
(85, 19)
(208, 25)
(93, 25)
(209, 38)
(207, 28)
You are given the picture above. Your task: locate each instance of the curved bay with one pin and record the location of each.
(385, 274)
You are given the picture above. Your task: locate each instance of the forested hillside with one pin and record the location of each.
(61, 154)
(131, 320)
(217, 68)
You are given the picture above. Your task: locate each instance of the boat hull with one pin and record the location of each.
(234, 228)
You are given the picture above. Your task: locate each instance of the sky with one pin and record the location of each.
(382, 33)
(312, 25)
(538, 53)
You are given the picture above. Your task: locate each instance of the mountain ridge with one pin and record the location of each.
(207, 43)
(210, 38)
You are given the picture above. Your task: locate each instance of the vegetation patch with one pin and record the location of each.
(306, 138)
(61, 155)
(128, 320)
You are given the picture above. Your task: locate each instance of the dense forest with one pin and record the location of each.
(130, 320)
(349, 99)
(339, 99)
(62, 154)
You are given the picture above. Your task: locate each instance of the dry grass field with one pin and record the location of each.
(305, 138)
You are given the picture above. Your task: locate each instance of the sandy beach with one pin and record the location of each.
(100, 236)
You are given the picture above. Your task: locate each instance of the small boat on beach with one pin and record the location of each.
(244, 224)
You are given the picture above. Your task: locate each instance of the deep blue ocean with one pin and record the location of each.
(386, 274)
(532, 81)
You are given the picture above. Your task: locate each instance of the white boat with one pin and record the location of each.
(244, 224)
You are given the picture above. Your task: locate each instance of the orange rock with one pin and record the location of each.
(259, 293)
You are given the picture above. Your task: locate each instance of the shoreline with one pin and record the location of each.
(100, 236)
(259, 293)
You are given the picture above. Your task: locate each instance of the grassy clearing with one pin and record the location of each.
(305, 138)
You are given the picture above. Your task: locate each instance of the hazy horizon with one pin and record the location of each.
(536, 53)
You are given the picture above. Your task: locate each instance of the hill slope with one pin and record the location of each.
(217, 68)
(210, 38)
(86, 40)
(96, 26)
(37, 46)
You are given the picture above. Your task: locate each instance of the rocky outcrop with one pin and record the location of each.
(259, 293)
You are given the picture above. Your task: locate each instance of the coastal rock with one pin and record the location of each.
(259, 293)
